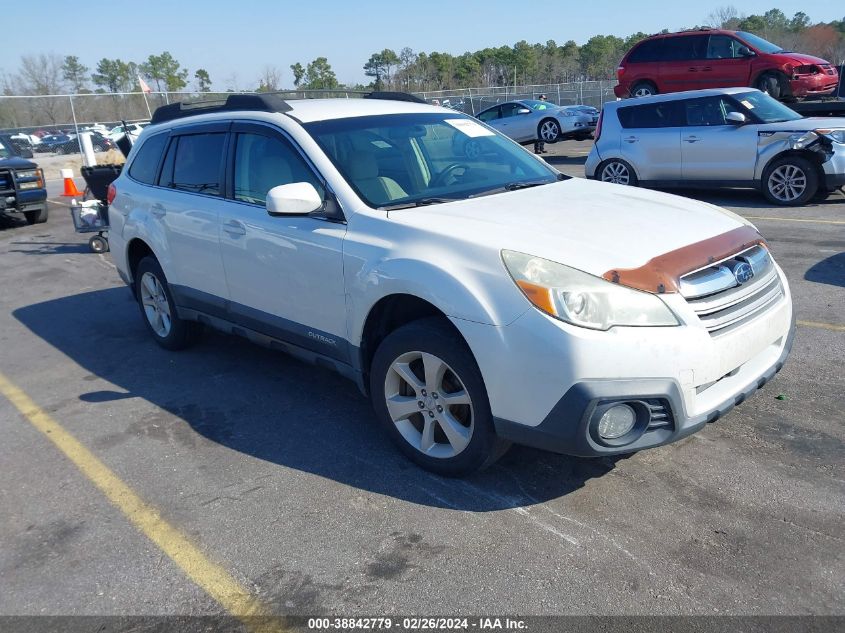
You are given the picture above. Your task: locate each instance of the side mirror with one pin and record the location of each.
(735, 118)
(298, 198)
(744, 51)
(523, 111)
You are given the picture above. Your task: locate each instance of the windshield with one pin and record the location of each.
(759, 43)
(768, 109)
(401, 160)
(4, 153)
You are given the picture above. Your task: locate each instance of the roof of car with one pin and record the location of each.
(675, 96)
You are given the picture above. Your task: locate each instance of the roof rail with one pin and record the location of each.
(254, 102)
(394, 96)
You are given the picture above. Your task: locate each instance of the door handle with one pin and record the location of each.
(631, 139)
(158, 210)
(233, 227)
(707, 69)
(692, 70)
(692, 139)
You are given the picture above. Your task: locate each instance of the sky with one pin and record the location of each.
(235, 40)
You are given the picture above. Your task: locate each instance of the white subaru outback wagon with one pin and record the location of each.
(477, 295)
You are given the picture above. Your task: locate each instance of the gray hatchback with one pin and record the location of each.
(729, 137)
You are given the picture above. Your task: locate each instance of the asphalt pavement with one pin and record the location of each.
(275, 474)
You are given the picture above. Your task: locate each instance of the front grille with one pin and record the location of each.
(728, 303)
(6, 181)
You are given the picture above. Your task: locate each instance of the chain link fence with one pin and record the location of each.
(473, 100)
(69, 113)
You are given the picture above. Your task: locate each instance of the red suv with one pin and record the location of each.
(712, 58)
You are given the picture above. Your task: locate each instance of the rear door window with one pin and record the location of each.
(145, 165)
(684, 47)
(723, 47)
(489, 115)
(194, 163)
(651, 115)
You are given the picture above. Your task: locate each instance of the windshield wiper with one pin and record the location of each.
(513, 186)
(422, 202)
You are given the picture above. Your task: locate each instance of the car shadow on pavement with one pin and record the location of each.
(51, 248)
(828, 271)
(565, 160)
(8, 222)
(749, 199)
(270, 406)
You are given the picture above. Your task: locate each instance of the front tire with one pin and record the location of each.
(617, 171)
(771, 84)
(791, 181)
(37, 217)
(428, 394)
(548, 131)
(159, 310)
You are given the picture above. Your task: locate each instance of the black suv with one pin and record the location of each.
(22, 187)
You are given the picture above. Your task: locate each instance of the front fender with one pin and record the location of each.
(481, 295)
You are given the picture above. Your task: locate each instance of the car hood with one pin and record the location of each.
(14, 162)
(588, 225)
(801, 58)
(801, 125)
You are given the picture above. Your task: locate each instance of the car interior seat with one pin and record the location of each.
(363, 172)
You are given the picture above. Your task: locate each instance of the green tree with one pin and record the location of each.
(379, 65)
(113, 75)
(75, 73)
(298, 74)
(319, 75)
(600, 55)
(164, 69)
(203, 80)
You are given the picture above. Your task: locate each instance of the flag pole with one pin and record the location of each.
(144, 92)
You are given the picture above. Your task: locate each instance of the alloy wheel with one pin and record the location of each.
(787, 183)
(156, 306)
(616, 172)
(643, 91)
(549, 131)
(429, 404)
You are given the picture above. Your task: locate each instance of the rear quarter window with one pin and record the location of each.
(144, 167)
(651, 115)
(647, 51)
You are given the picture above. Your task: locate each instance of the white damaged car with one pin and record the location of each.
(477, 299)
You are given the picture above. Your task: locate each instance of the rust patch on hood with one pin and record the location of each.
(662, 274)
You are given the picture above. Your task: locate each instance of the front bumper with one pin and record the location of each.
(814, 85)
(567, 428)
(834, 169)
(557, 378)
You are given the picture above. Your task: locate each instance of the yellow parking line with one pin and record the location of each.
(210, 576)
(824, 326)
(764, 217)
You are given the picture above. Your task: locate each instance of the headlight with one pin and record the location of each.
(27, 173)
(837, 136)
(581, 299)
(567, 113)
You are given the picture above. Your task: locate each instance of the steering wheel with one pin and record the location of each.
(440, 179)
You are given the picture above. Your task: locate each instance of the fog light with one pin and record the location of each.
(617, 421)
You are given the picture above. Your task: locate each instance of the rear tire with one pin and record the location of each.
(37, 217)
(790, 181)
(451, 433)
(643, 89)
(158, 309)
(617, 171)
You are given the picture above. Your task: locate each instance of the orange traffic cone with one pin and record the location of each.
(70, 185)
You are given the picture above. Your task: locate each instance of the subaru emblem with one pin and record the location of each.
(743, 272)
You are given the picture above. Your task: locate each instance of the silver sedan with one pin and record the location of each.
(529, 120)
